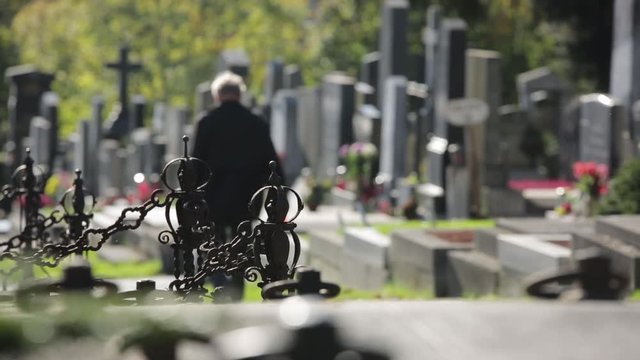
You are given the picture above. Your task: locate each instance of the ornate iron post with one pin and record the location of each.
(78, 207)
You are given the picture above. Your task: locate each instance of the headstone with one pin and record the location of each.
(138, 105)
(95, 138)
(337, 113)
(449, 84)
(541, 96)
(393, 42)
(369, 76)
(420, 260)
(40, 136)
(569, 138)
(431, 39)
(273, 79)
(393, 150)
(365, 259)
(292, 77)
(483, 82)
(367, 124)
(602, 121)
(284, 131)
(204, 99)
(26, 87)
(310, 125)
(111, 169)
(82, 150)
(120, 124)
(625, 59)
(143, 153)
(234, 60)
(325, 253)
(49, 110)
(175, 129)
(159, 119)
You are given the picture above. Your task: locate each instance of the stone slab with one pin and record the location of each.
(625, 258)
(419, 259)
(623, 227)
(545, 226)
(476, 272)
(367, 245)
(358, 274)
(528, 254)
(329, 271)
(327, 245)
(486, 241)
(329, 217)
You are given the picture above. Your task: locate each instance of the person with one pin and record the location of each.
(237, 147)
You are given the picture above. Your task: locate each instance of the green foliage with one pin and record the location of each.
(624, 191)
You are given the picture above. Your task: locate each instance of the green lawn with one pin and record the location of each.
(440, 224)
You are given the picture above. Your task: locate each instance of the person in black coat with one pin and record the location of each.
(237, 146)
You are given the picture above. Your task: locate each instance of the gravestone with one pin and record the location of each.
(309, 118)
(273, 79)
(39, 138)
(204, 100)
(49, 110)
(625, 60)
(541, 96)
(431, 39)
(174, 129)
(367, 125)
(26, 87)
(292, 78)
(95, 137)
(110, 168)
(393, 147)
(393, 42)
(159, 118)
(601, 130)
(82, 150)
(284, 131)
(337, 115)
(142, 161)
(365, 259)
(369, 76)
(234, 60)
(569, 138)
(120, 125)
(449, 84)
(325, 253)
(138, 106)
(484, 82)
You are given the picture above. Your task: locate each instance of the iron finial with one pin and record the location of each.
(185, 139)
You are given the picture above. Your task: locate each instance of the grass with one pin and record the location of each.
(100, 268)
(440, 224)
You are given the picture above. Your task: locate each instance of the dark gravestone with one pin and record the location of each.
(273, 79)
(110, 169)
(625, 58)
(337, 113)
(292, 77)
(369, 76)
(569, 138)
(235, 60)
(601, 123)
(138, 106)
(26, 87)
(449, 84)
(393, 42)
(284, 131)
(541, 96)
(310, 126)
(120, 125)
(49, 110)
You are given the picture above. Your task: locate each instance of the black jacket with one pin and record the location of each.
(237, 146)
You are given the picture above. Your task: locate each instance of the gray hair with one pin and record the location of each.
(227, 83)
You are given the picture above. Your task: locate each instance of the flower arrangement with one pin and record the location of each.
(591, 178)
(591, 182)
(360, 160)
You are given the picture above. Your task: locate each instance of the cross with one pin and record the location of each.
(124, 67)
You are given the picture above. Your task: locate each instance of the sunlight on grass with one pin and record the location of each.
(440, 224)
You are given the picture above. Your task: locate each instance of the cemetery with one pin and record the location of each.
(435, 204)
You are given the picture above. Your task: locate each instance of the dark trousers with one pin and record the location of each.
(233, 285)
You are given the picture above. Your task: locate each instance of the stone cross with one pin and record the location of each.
(123, 66)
